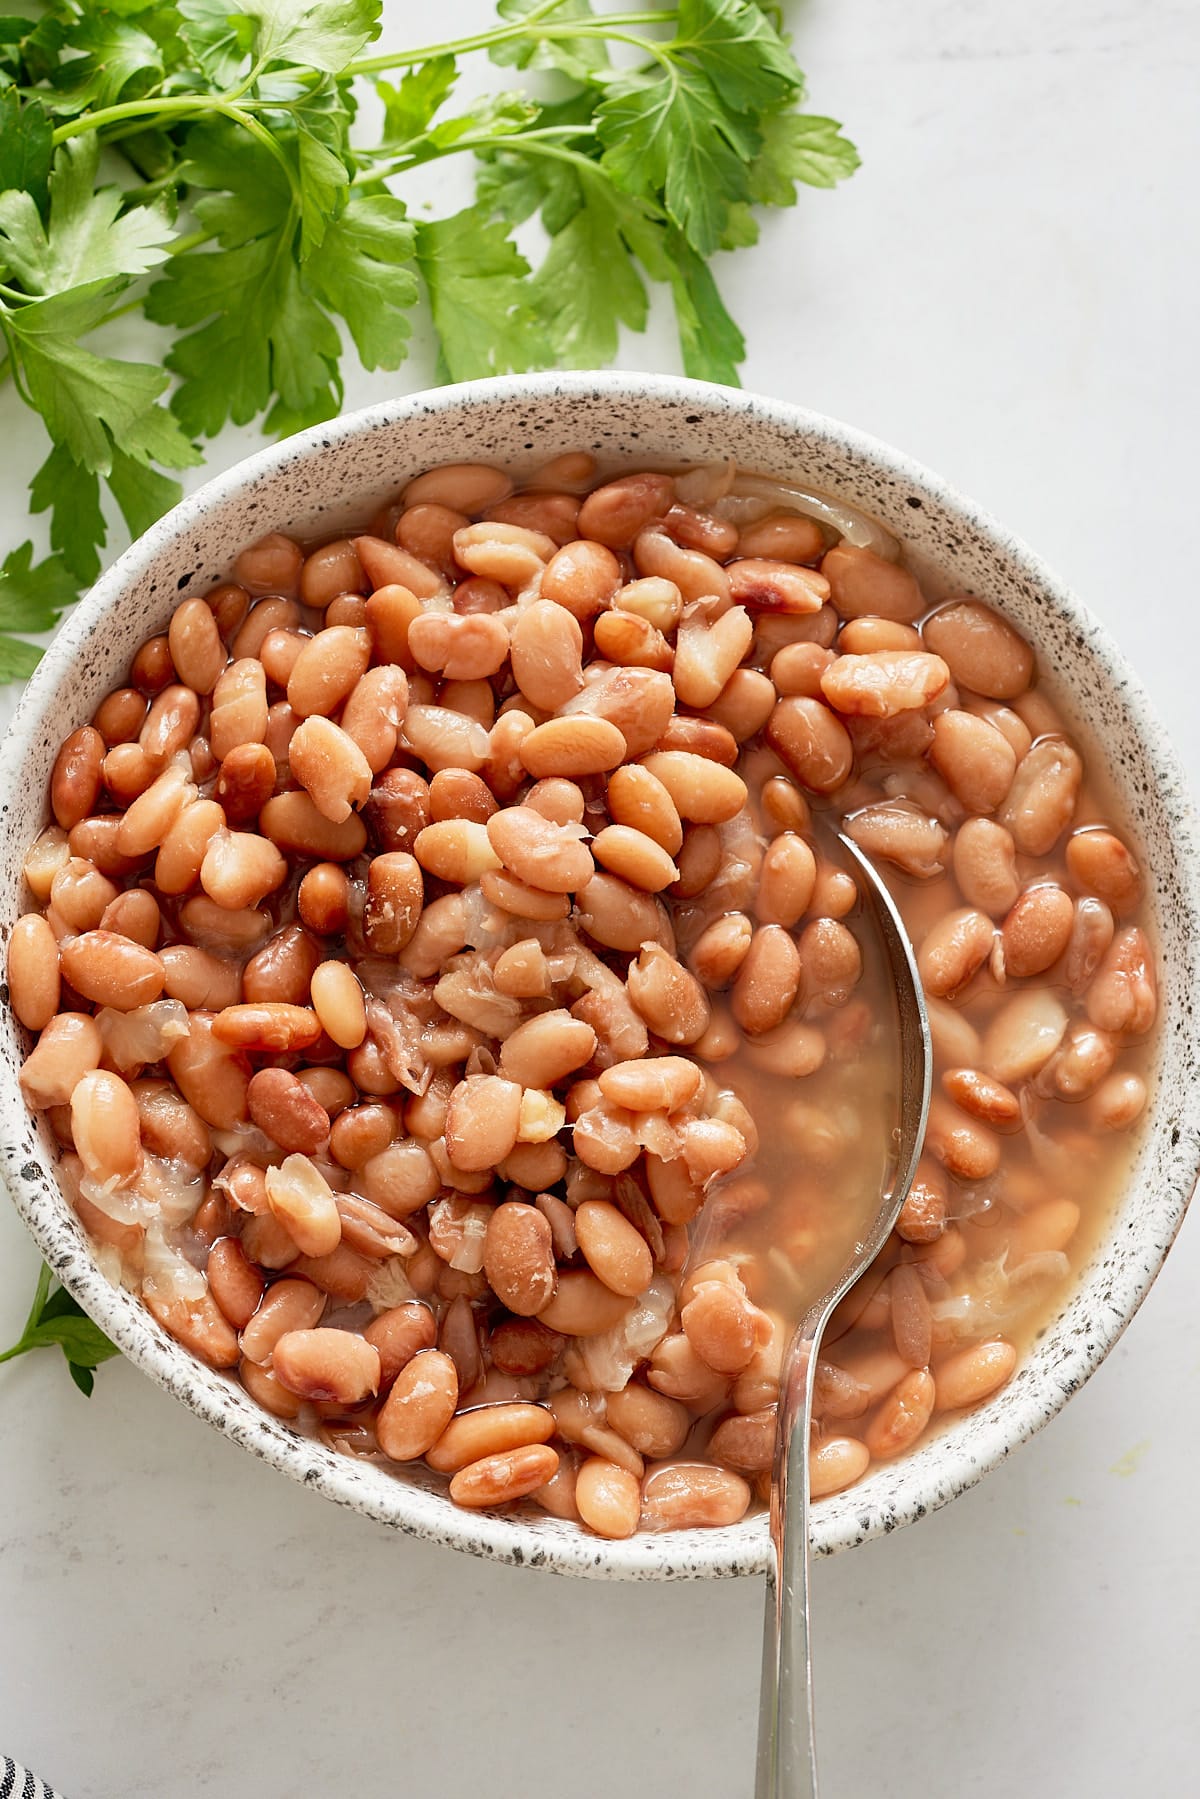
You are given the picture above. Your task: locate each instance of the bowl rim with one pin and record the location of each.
(739, 1549)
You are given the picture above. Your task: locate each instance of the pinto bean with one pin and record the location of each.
(489, 1430)
(883, 683)
(500, 1479)
(75, 778)
(901, 833)
(966, 1149)
(706, 653)
(862, 582)
(813, 743)
(518, 1258)
(111, 970)
(976, 762)
(783, 536)
(613, 1248)
(768, 980)
(786, 881)
(582, 1305)
(973, 1374)
(33, 975)
(1123, 996)
(984, 1098)
(1024, 1035)
(582, 576)
(542, 854)
(638, 799)
(1037, 930)
(981, 649)
(667, 996)
(923, 1215)
(199, 1325)
(323, 1364)
(1100, 863)
(954, 950)
(482, 1121)
(768, 586)
(1041, 800)
(985, 866)
(615, 513)
(104, 1127)
(689, 1495)
(902, 1416)
(835, 1463)
(547, 655)
(702, 791)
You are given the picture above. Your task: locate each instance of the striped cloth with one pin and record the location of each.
(17, 1782)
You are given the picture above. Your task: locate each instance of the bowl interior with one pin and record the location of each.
(337, 472)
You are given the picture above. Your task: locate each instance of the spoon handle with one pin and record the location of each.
(787, 1754)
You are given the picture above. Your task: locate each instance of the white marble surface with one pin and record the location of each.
(1007, 290)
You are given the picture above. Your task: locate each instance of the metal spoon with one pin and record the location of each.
(787, 1763)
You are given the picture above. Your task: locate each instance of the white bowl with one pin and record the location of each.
(336, 473)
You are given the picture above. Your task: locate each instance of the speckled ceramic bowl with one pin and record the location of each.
(336, 472)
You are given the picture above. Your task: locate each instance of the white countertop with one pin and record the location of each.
(1007, 289)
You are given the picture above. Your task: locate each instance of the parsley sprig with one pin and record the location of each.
(202, 165)
(55, 1318)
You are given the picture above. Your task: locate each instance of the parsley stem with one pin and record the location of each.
(399, 164)
(527, 27)
(174, 107)
(35, 1312)
(178, 106)
(181, 245)
(181, 107)
(148, 190)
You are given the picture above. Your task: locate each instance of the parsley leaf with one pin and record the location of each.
(325, 34)
(32, 595)
(582, 57)
(587, 285)
(324, 184)
(141, 493)
(25, 146)
(670, 133)
(29, 47)
(71, 494)
(85, 240)
(409, 108)
(363, 270)
(89, 403)
(17, 658)
(55, 1319)
(711, 343)
(743, 56)
(243, 297)
(115, 55)
(81, 396)
(484, 309)
(800, 147)
(218, 39)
